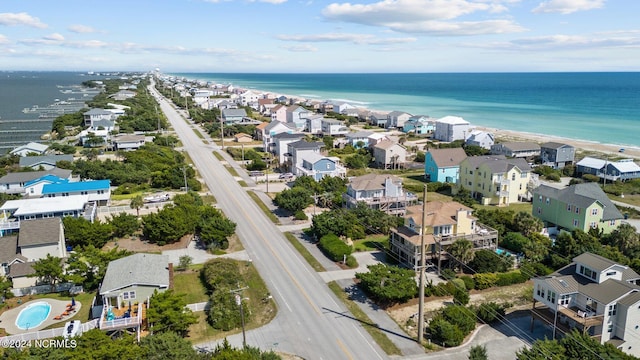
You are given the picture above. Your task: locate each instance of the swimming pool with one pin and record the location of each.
(33, 315)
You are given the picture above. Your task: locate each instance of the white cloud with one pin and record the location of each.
(433, 17)
(3, 39)
(340, 37)
(301, 48)
(567, 42)
(81, 29)
(53, 37)
(568, 6)
(13, 19)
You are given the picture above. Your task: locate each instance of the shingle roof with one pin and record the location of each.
(438, 212)
(582, 195)
(37, 147)
(498, 163)
(301, 144)
(233, 112)
(128, 138)
(630, 299)
(358, 134)
(23, 177)
(98, 112)
(372, 181)
(288, 136)
(521, 146)
(8, 249)
(21, 269)
(39, 231)
(137, 269)
(608, 290)
(28, 161)
(554, 145)
(386, 144)
(448, 157)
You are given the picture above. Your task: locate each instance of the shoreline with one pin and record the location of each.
(509, 135)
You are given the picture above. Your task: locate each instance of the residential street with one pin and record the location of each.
(308, 322)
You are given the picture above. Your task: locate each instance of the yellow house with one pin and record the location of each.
(495, 179)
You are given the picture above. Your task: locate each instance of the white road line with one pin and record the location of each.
(281, 296)
(359, 331)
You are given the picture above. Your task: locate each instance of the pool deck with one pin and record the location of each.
(8, 318)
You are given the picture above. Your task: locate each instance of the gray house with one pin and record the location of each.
(233, 116)
(47, 162)
(134, 278)
(557, 155)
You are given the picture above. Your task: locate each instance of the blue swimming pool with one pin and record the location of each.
(33, 315)
(501, 251)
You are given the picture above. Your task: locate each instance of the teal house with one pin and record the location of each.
(443, 165)
(579, 206)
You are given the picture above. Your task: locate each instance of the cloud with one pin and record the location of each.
(301, 48)
(3, 39)
(339, 37)
(567, 6)
(81, 29)
(53, 37)
(13, 19)
(562, 42)
(424, 16)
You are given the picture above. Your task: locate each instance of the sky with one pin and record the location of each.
(310, 36)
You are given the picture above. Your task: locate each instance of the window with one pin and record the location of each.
(128, 295)
(593, 225)
(564, 300)
(551, 297)
(520, 186)
(547, 201)
(568, 207)
(513, 176)
(539, 211)
(577, 210)
(611, 273)
(594, 211)
(576, 222)
(539, 197)
(540, 291)
(612, 309)
(612, 222)
(610, 327)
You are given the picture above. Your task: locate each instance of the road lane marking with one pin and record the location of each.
(281, 296)
(344, 349)
(359, 331)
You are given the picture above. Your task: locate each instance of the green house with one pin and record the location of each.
(579, 206)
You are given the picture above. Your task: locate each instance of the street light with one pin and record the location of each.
(239, 303)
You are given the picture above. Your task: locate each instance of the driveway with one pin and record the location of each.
(199, 255)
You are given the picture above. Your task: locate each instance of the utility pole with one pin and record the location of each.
(422, 266)
(237, 292)
(222, 133)
(184, 174)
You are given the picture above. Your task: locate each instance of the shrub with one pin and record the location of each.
(352, 262)
(461, 296)
(489, 312)
(485, 280)
(510, 278)
(448, 274)
(533, 269)
(445, 332)
(553, 177)
(334, 248)
(469, 283)
(590, 178)
(461, 317)
(575, 181)
(300, 215)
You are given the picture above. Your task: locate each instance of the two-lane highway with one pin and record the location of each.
(311, 321)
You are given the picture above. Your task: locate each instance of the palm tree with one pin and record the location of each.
(136, 203)
(462, 251)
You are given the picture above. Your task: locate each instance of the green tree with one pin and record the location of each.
(478, 352)
(167, 312)
(460, 316)
(88, 264)
(124, 224)
(526, 223)
(488, 261)
(445, 332)
(461, 250)
(294, 199)
(537, 248)
(626, 239)
(5, 288)
(388, 284)
(136, 203)
(184, 262)
(224, 313)
(81, 232)
(166, 346)
(49, 271)
(167, 225)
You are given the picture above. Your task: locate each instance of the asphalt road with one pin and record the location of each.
(311, 321)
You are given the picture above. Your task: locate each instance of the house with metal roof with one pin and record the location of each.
(593, 295)
(358, 139)
(480, 138)
(557, 155)
(13, 183)
(419, 125)
(134, 278)
(34, 187)
(233, 116)
(47, 162)
(446, 222)
(621, 170)
(98, 191)
(379, 191)
(12, 212)
(443, 165)
(518, 149)
(579, 206)
(495, 179)
(30, 148)
(451, 128)
(128, 142)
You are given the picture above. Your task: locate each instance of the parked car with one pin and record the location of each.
(286, 176)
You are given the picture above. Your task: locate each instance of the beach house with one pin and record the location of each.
(233, 116)
(297, 151)
(579, 206)
(44, 162)
(95, 115)
(397, 119)
(379, 191)
(14, 211)
(98, 191)
(621, 170)
(333, 127)
(14, 183)
(358, 139)
(128, 142)
(296, 116)
(518, 149)
(318, 166)
(389, 155)
(495, 179)
(480, 138)
(272, 129)
(593, 295)
(446, 222)
(313, 123)
(281, 144)
(451, 128)
(279, 113)
(557, 155)
(419, 125)
(32, 148)
(443, 165)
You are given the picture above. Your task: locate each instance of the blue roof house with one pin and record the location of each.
(98, 190)
(443, 165)
(34, 187)
(419, 125)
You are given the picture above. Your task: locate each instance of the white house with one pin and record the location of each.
(14, 183)
(282, 142)
(396, 119)
(389, 155)
(479, 138)
(314, 124)
(451, 128)
(30, 148)
(274, 128)
(297, 151)
(42, 237)
(296, 115)
(14, 211)
(333, 127)
(98, 191)
(95, 115)
(128, 142)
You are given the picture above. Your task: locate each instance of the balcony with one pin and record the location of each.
(568, 318)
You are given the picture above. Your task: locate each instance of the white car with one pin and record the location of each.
(286, 176)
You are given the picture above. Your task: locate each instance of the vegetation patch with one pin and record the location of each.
(315, 264)
(232, 171)
(264, 208)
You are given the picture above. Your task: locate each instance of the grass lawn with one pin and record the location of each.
(232, 171)
(189, 283)
(371, 243)
(304, 252)
(378, 335)
(264, 208)
(218, 156)
(243, 183)
(517, 207)
(208, 199)
(262, 309)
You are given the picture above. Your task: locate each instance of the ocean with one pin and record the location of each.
(598, 107)
(26, 99)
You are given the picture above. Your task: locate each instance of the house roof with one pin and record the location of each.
(288, 136)
(23, 177)
(359, 134)
(36, 147)
(128, 138)
(386, 145)
(21, 269)
(28, 161)
(48, 178)
(241, 135)
(312, 157)
(262, 126)
(608, 290)
(521, 146)
(8, 249)
(554, 145)
(630, 299)
(275, 123)
(372, 181)
(498, 163)
(582, 195)
(39, 232)
(453, 120)
(590, 162)
(98, 112)
(448, 157)
(46, 205)
(626, 166)
(438, 213)
(76, 186)
(302, 145)
(233, 112)
(599, 263)
(137, 269)
(396, 113)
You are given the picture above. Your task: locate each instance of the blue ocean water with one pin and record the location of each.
(599, 107)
